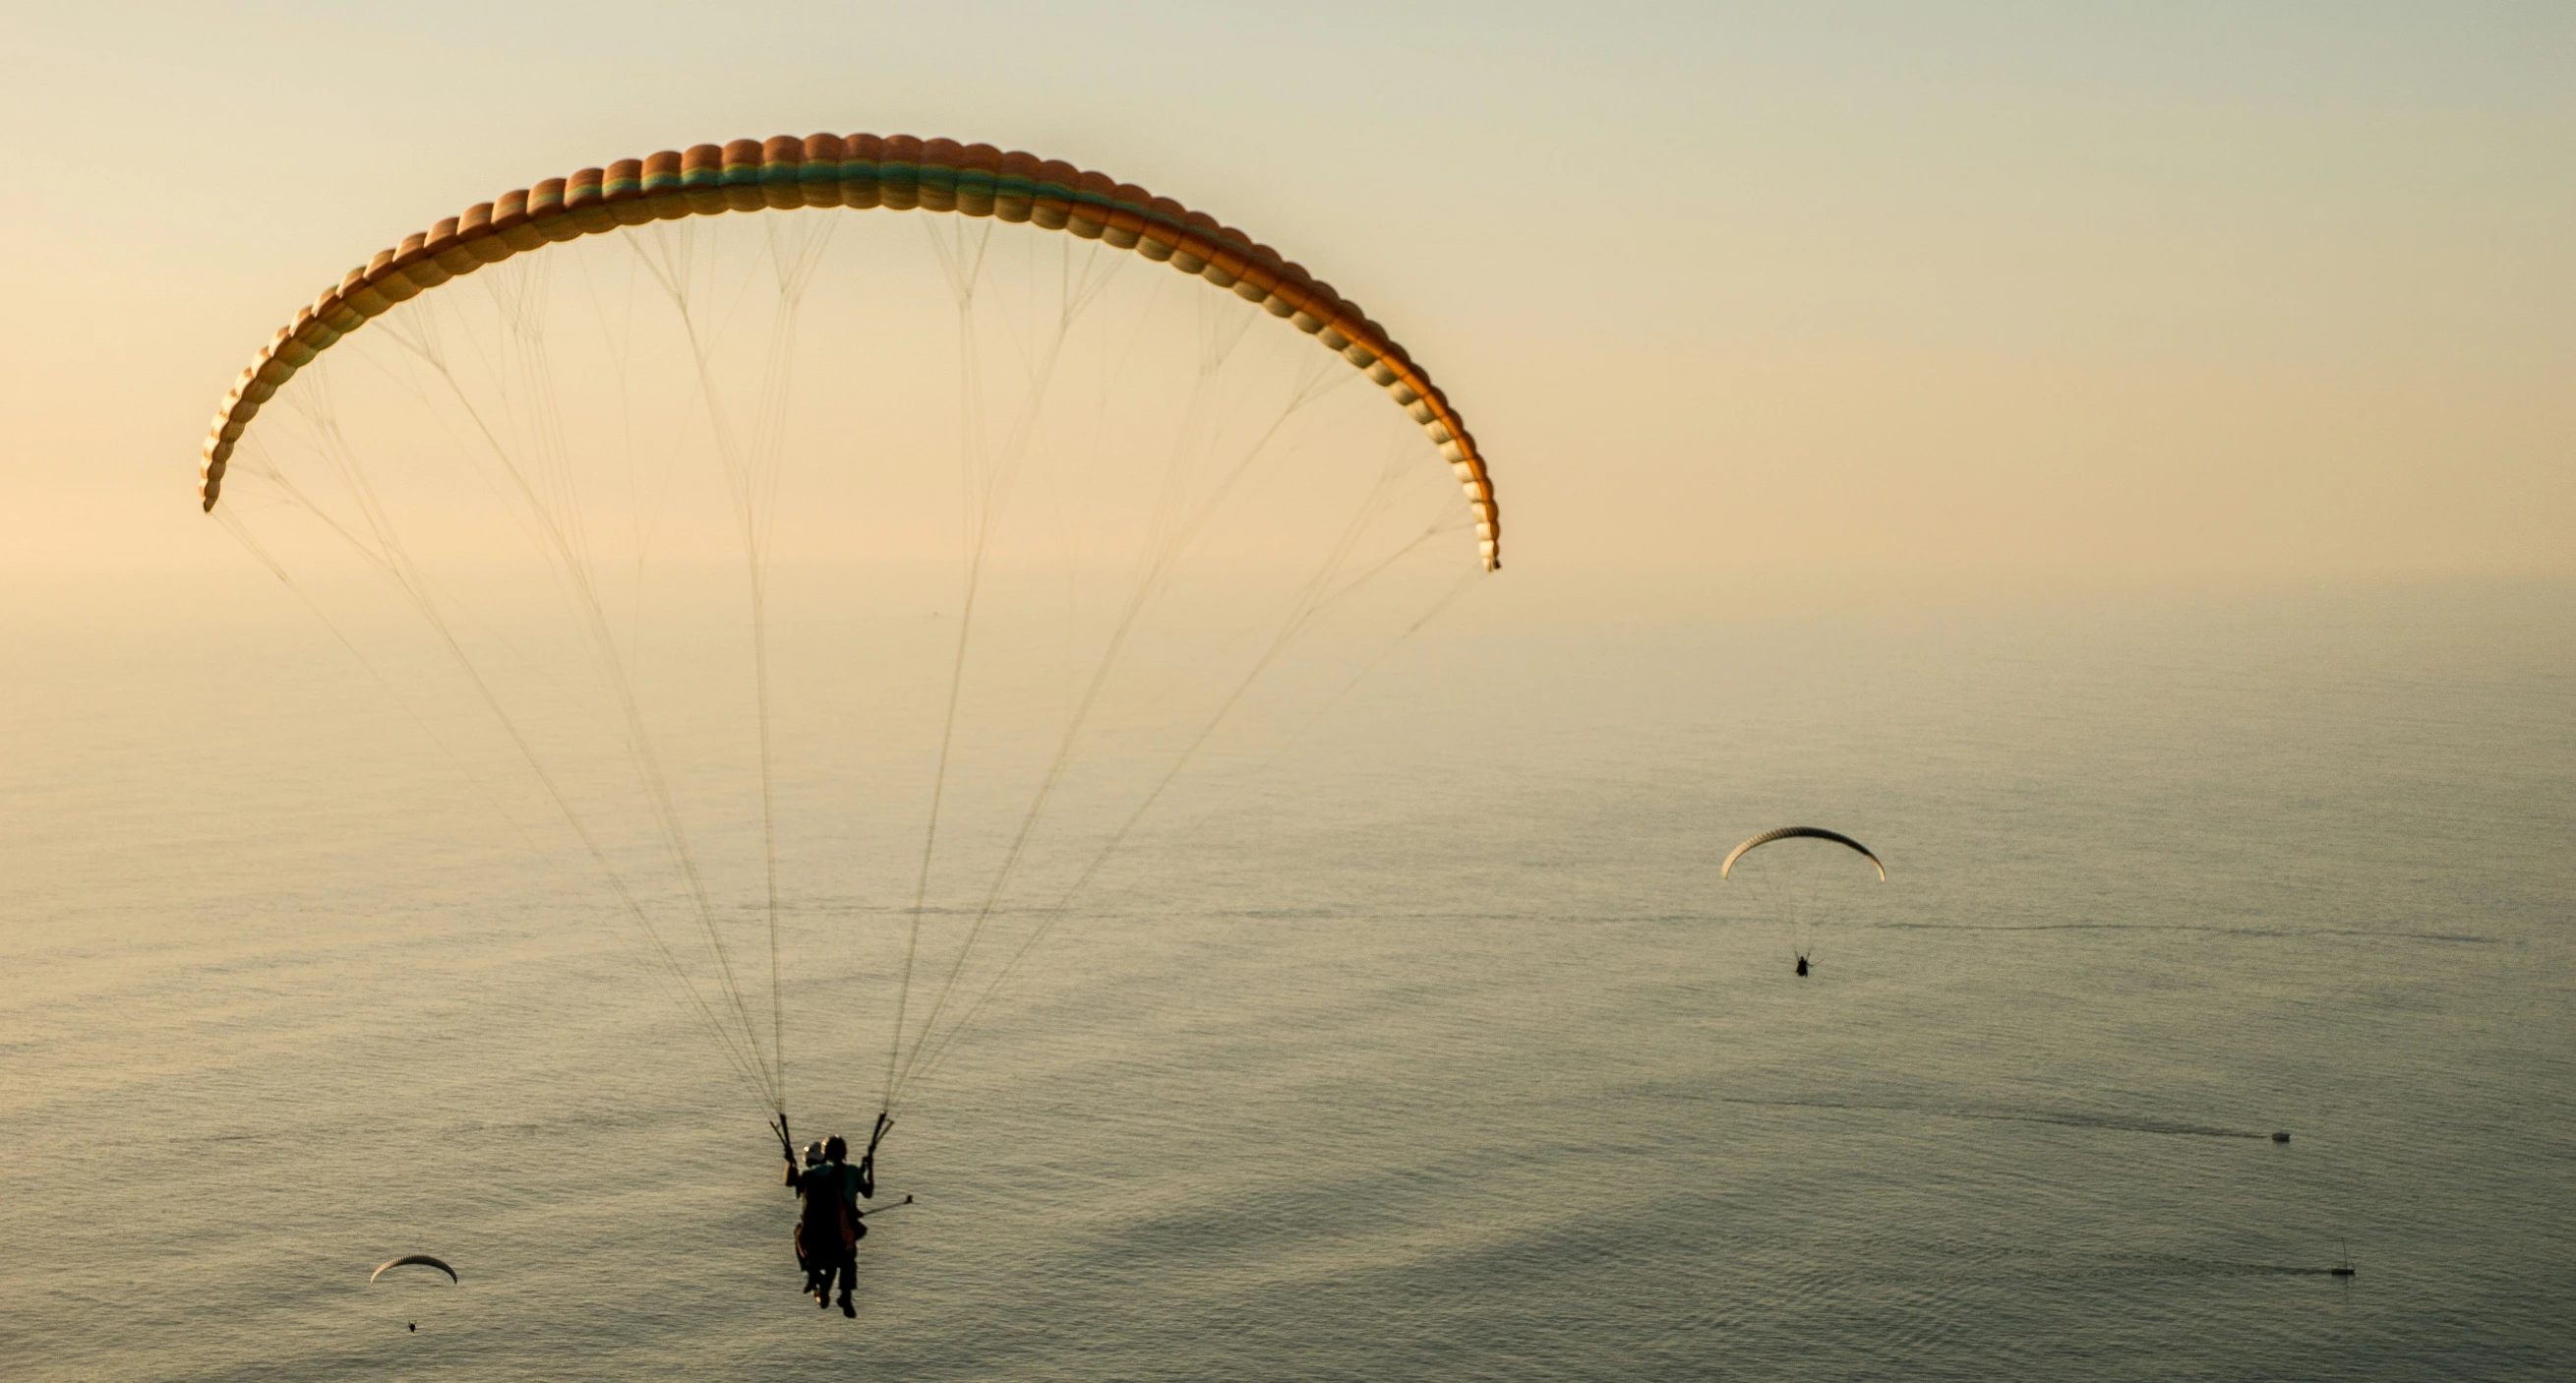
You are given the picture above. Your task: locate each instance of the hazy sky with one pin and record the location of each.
(2037, 292)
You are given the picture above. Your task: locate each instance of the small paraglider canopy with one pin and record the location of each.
(422, 1259)
(1800, 833)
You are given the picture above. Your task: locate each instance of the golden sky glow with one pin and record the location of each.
(2007, 292)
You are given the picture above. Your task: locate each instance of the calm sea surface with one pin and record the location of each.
(1435, 1050)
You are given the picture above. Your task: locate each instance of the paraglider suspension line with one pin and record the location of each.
(868, 1159)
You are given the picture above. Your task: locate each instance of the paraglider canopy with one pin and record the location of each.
(857, 171)
(1800, 833)
(422, 1259)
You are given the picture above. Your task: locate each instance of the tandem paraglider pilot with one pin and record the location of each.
(828, 1233)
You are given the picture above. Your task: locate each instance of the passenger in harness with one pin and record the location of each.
(813, 1274)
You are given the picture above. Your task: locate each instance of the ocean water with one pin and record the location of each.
(1433, 1049)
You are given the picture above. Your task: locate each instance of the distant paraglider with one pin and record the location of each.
(422, 1259)
(1790, 885)
(1800, 833)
